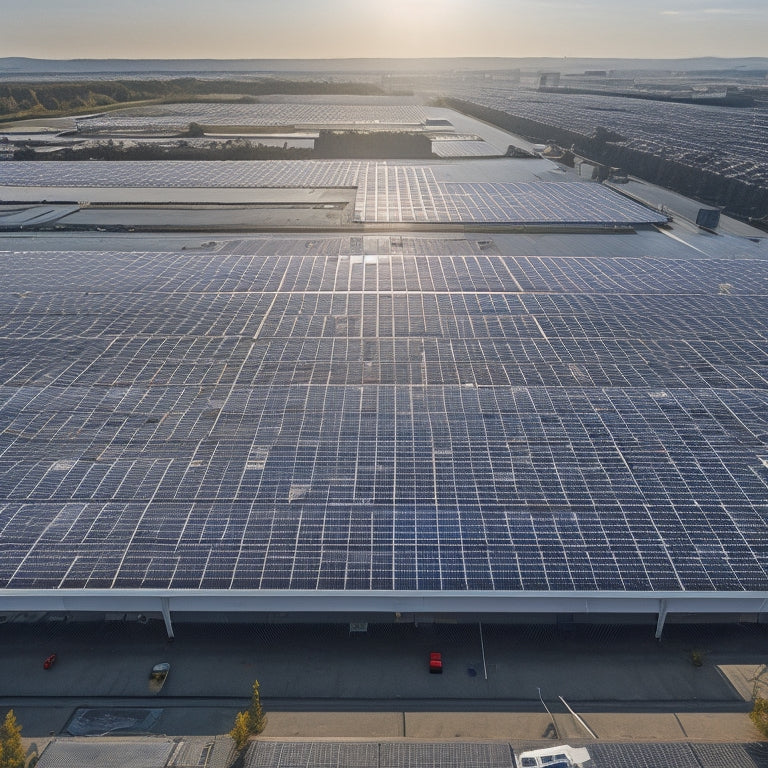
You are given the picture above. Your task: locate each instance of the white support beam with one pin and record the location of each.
(661, 619)
(165, 605)
(473, 603)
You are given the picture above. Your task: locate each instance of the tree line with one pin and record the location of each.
(19, 100)
(227, 150)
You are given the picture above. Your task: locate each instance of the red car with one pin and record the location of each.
(48, 663)
(436, 663)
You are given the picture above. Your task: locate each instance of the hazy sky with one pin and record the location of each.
(388, 28)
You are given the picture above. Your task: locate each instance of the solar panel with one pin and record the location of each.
(464, 148)
(406, 194)
(386, 192)
(177, 117)
(725, 140)
(494, 755)
(183, 173)
(383, 413)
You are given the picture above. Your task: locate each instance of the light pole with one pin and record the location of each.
(554, 724)
(482, 649)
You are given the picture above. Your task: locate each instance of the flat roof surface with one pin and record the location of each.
(178, 116)
(301, 754)
(362, 414)
(724, 140)
(100, 753)
(387, 192)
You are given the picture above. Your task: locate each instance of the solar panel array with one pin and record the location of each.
(177, 117)
(678, 755)
(468, 148)
(300, 754)
(726, 140)
(411, 193)
(533, 202)
(383, 413)
(387, 192)
(374, 755)
(182, 173)
(330, 754)
(496, 755)
(73, 753)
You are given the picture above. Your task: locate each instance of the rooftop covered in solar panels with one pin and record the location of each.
(505, 192)
(384, 423)
(308, 114)
(466, 182)
(407, 408)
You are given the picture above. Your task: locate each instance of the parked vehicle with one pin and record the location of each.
(158, 676)
(564, 756)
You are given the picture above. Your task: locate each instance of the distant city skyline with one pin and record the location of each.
(233, 29)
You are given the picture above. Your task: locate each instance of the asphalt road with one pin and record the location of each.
(325, 668)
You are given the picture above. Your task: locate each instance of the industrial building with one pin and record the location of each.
(493, 391)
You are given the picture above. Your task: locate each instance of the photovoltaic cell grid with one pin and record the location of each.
(678, 755)
(379, 413)
(551, 202)
(73, 753)
(395, 193)
(725, 140)
(406, 194)
(320, 754)
(469, 755)
(375, 755)
(468, 148)
(177, 117)
(183, 173)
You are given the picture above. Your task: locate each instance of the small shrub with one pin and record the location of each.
(241, 731)
(11, 749)
(759, 715)
(250, 723)
(256, 717)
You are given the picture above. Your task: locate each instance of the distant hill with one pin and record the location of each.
(20, 65)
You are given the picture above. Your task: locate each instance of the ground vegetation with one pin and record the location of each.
(28, 100)
(11, 748)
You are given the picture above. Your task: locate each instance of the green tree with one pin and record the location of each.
(11, 749)
(257, 720)
(241, 731)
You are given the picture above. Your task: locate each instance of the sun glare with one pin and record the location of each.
(416, 27)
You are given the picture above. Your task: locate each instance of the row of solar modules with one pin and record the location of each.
(632, 455)
(714, 285)
(386, 192)
(177, 117)
(467, 148)
(541, 245)
(266, 754)
(406, 194)
(549, 564)
(730, 141)
(445, 481)
(207, 174)
(471, 350)
(186, 460)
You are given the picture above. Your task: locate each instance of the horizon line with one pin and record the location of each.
(390, 58)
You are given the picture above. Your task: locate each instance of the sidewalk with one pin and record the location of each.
(527, 726)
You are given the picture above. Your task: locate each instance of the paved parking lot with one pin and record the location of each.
(325, 668)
